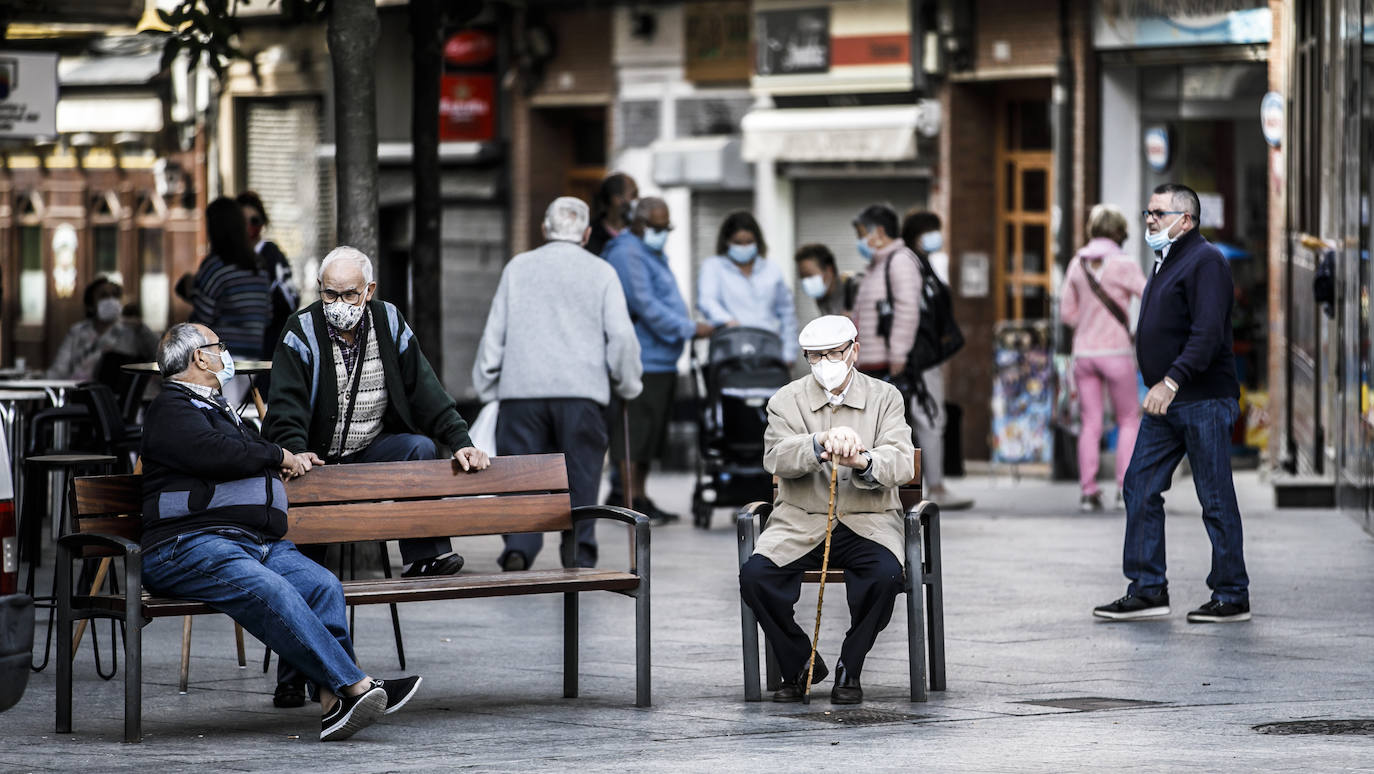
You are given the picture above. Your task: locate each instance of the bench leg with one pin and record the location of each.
(570, 645)
(749, 635)
(184, 684)
(936, 608)
(62, 592)
(238, 644)
(133, 648)
(642, 690)
(395, 615)
(915, 614)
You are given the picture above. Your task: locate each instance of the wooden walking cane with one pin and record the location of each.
(820, 594)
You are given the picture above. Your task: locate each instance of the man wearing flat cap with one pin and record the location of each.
(834, 417)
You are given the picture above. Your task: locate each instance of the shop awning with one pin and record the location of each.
(132, 113)
(885, 133)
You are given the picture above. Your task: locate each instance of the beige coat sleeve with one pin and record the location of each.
(892, 450)
(787, 443)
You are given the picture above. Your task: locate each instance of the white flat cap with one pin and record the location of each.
(828, 332)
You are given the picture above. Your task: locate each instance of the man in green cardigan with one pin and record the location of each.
(350, 384)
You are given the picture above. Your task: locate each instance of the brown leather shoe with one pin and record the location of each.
(795, 690)
(847, 689)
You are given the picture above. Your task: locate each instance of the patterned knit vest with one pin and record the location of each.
(370, 405)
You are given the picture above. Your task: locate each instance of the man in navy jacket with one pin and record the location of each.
(1183, 345)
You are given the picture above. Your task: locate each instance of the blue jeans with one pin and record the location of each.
(285, 600)
(396, 447)
(1202, 430)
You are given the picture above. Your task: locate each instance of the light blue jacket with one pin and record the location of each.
(761, 300)
(662, 322)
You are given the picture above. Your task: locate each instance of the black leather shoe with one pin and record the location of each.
(514, 561)
(847, 689)
(795, 690)
(289, 695)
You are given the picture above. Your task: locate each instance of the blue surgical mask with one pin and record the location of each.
(742, 253)
(865, 252)
(226, 372)
(814, 286)
(655, 239)
(931, 242)
(1161, 239)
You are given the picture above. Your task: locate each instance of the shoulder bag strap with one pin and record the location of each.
(1112, 306)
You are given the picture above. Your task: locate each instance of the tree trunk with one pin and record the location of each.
(353, 53)
(426, 30)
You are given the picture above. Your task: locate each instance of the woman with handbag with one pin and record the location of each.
(1098, 286)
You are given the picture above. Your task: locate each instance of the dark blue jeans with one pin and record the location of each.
(285, 600)
(1202, 430)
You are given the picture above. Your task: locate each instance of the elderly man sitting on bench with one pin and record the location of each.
(214, 515)
(835, 416)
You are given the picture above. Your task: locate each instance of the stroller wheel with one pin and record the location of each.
(701, 514)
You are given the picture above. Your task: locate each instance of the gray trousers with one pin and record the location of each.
(930, 431)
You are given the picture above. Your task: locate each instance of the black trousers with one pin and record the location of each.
(577, 428)
(872, 581)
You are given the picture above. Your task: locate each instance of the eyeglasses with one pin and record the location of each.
(351, 296)
(255, 221)
(1159, 214)
(219, 344)
(834, 355)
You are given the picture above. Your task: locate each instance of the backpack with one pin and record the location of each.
(937, 335)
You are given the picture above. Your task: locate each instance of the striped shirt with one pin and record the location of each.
(234, 303)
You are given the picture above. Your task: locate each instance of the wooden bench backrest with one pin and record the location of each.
(378, 500)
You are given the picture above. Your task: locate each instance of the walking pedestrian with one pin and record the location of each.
(1095, 301)
(286, 296)
(612, 210)
(1183, 345)
(558, 339)
(921, 232)
(663, 325)
(231, 292)
(833, 292)
(740, 286)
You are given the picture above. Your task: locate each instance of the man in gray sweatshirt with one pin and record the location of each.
(557, 340)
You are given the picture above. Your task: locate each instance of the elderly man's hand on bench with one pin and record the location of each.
(472, 458)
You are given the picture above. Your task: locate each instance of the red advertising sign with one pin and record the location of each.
(470, 48)
(467, 108)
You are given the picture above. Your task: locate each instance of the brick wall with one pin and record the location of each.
(1029, 28)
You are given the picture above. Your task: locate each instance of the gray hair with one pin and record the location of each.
(646, 206)
(175, 350)
(348, 255)
(566, 219)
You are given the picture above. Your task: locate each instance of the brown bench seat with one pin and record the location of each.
(363, 502)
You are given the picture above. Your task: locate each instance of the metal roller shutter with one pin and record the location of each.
(709, 209)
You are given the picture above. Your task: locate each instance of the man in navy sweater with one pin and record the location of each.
(1183, 345)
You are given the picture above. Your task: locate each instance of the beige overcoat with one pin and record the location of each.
(798, 411)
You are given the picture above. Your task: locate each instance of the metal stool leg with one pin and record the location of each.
(395, 615)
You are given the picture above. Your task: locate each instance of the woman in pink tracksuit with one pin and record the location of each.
(1103, 348)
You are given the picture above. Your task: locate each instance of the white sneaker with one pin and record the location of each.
(949, 501)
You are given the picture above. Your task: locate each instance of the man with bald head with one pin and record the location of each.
(214, 527)
(350, 384)
(662, 325)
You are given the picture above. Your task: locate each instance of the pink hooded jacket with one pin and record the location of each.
(1096, 332)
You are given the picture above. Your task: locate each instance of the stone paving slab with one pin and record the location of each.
(1022, 571)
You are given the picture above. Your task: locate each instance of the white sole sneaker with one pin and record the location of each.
(1149, 612)
(355, 715)
(1205, 618)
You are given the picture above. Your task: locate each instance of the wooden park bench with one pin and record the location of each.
(356, 503)
(925, 607)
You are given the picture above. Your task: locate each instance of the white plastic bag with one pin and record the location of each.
(483, 428)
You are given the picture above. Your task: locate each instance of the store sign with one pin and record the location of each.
(467, 107)
(28, 94)
(1152, 23)
(793, 42)
(1158, 148)
(717, 41)
(470, 48)
(1271, 118)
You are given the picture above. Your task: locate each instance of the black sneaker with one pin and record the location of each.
(1130, 607)
(448, 564)
(1090, 503)
(1217, 611)
(514, 561)
(398, 691)
(351, 714)
(289, 695)
(657, 516)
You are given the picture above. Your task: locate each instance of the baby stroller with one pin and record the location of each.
(744, 368)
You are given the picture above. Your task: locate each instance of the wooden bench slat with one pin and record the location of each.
(384, 591)
(357, 522)
(423, 479)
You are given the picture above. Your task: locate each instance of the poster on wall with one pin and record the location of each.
(1022, 394)
(28, 94)
(793, 42)
(1154, 23)
(467, 107)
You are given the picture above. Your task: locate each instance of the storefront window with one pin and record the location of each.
(33, 285)
(105, 240)
(152, 282)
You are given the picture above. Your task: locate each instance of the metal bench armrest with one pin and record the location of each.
(615, 512)
(86, 539)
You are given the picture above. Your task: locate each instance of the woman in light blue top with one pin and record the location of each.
(739, 286)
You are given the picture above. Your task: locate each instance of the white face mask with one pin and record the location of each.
(342, 315)
(107, 310)
(814, 286)
(831, 375)
(226, 371)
